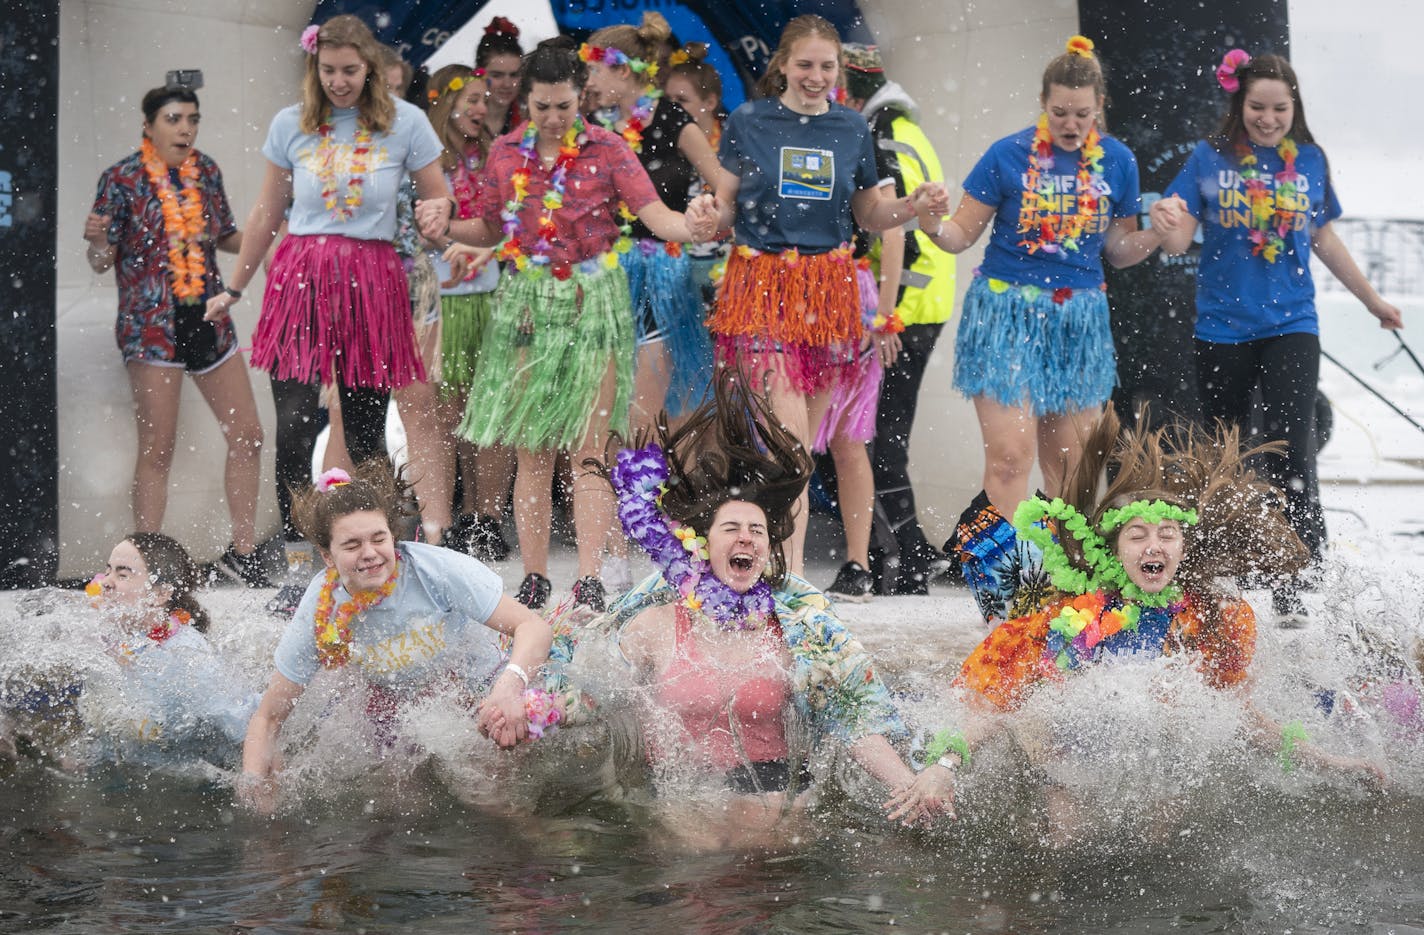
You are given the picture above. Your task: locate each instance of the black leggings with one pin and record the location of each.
(890, 455)
(299, 421)
(1287, 369)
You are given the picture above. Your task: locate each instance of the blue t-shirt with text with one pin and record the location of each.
(431, 625)
(998, 180)
(797, 173)
(409, 144)
(1241, 297)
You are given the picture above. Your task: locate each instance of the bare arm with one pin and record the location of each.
(232, 243)
(892, 263)
(259, 760)
(1175, 224)
(261, 228)
(1271, 736)
(874, 212)
(692, 142)
(1336, 257)
(1125, 245)
(960, 232)
(726, 185)
(501, 713)
(100, 253)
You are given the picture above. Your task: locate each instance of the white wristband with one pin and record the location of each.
(949, 762)
(519, 671)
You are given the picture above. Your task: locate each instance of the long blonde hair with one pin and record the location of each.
(806, 26)
(442, 110)
(376, 109)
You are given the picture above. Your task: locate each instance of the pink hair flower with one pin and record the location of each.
(1232, 62)
(309, 36)
(335, 477)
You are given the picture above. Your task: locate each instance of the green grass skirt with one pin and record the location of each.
(464, 320)
(544, 357)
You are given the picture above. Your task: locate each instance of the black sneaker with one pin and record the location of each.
(246, 569)
(487, 542)
(284, 604)
(853, 583)
(457, 535)
(588, 591)
(534, 590)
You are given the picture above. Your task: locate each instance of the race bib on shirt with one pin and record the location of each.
(807, 173)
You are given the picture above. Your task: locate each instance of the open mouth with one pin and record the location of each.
(742, 561)
(1152, 569)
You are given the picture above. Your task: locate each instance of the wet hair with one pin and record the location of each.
(1076, 70)
(1267, 66)
(553, 61)
(1241, 524)
(157, 98)
(170, 565)
(442, 112)
(645, 41)
(501, 38)
(806, 26)
(391, 58)
(698, 71)
(376, 109)
(732, 447)
(374, 486)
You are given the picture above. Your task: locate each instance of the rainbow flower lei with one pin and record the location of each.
(343, 206)
(1105, 568)
(614, 57)
(512, 250)
(1036, 194)
(1269, 224)
(639, 119)
(333, 625)
(639, 477)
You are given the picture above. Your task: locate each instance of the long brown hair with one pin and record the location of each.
(376, 108)
(806, 26)
(374, 486)
(1267, 66)
(643, 42)
(170, 565)
(442, 110)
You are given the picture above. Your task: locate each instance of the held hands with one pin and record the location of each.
(501, 713)
(465, 262)
(1168, 214)
(923, 801)
(218, 306)
(931, 203)
(432, 216)
(702, 216)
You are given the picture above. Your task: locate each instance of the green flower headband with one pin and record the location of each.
(1105, 570)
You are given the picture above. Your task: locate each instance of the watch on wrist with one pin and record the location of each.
(235, 293)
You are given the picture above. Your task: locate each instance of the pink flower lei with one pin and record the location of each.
(639, 478)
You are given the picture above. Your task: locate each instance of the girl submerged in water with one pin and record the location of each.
(407, 619)
(1133, 577)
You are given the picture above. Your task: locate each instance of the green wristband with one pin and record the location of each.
(943, 742)
(1292, 735)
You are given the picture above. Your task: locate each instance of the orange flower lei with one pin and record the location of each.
(183, 221)
(1066, 233)
(169, 625)
(342, 208)
(333, 634)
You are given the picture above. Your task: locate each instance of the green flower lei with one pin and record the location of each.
(1105, 571)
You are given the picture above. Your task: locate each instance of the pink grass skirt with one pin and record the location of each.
(855, 400)
(337, 307)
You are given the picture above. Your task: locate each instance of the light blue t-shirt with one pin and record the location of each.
(1241, 297)
(797, 174)
(431, 625)
(409, 145)
(998, 180)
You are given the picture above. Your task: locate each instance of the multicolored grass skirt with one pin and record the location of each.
(545, 353)
(789, 311)
(336, 306)
(662, 289)
(854, 402)
(1049, 348)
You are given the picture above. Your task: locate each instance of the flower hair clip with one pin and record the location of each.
(1081, 45)
(456, 83)
(1231, 63)
(332, 479)
(499, 26)
(309, 37)
(614, 57)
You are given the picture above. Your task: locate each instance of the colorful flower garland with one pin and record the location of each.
(639, 477)
(343, 206)
(512, 250)
(333, 630)
(1269, 222)
(1086, 621)
(169, 625)
(183, 220)
(614, 57)
(639, 119)
(1090, 187)
(1105, 570)
(1031, 292)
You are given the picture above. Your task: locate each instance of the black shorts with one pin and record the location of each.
(766, 776)
(197, 343)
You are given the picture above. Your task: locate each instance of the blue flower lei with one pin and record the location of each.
(640, 477)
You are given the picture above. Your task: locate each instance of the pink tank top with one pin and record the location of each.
(706, 696)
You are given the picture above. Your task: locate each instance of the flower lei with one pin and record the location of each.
(1087, 621)
(1269, 222)
(1037, 194)
(169, 625)
(542, 710)
(333, 625)
(614, 57)
(639, 119)
(512, 250)
(183, 221)
(640, 477)
(342, 207)
(1105, 569)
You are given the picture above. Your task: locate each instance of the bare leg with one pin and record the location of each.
(532, 507)
(228, 393)
(1010, 444)
(335, 454)
(789, 405)
(430, 452)
(855, 491)
(651, 379)
(594, 505)
(156, 394)
(1060, 444)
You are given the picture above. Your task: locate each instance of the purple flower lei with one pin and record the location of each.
(639, 478)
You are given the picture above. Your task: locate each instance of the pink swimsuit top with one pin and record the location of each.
(704, 695)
